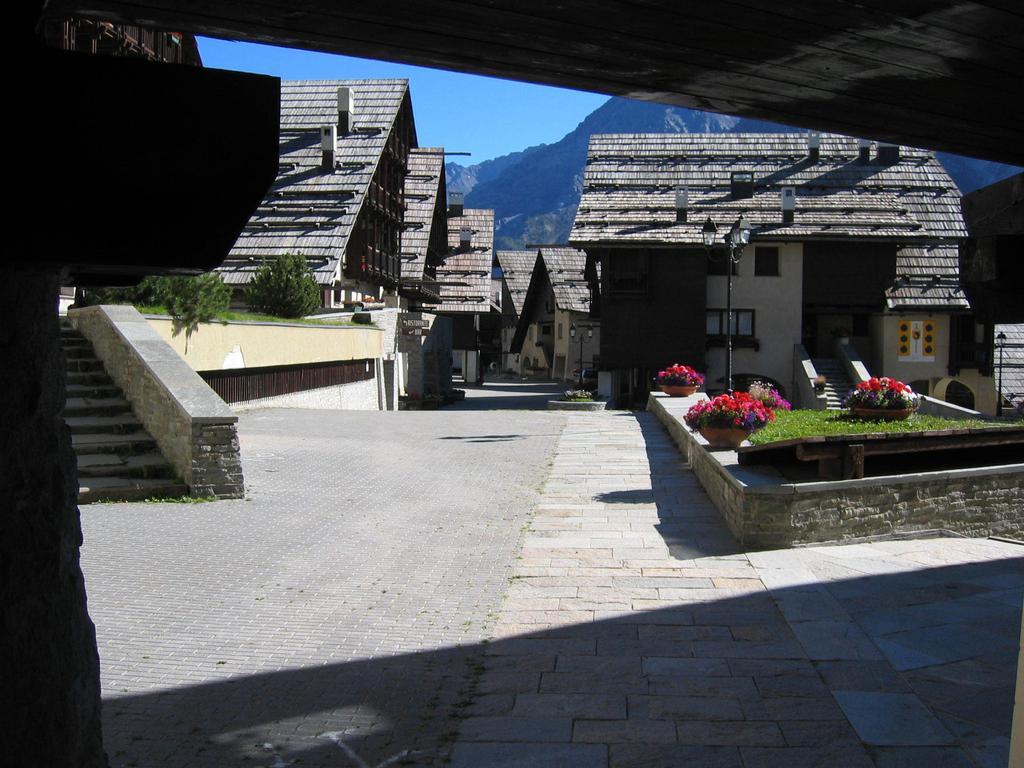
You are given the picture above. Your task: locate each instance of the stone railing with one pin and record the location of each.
(194, 429)
(765, 510)
(804, 375)
(852, 363)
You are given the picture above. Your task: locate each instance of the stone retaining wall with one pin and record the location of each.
(194, 429)
(764, 510)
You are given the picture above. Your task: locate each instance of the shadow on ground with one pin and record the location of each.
(923, 676)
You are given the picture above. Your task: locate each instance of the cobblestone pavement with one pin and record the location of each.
(343, 600)
(634, 633)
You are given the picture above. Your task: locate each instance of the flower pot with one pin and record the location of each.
(724, 437)
(678, 390)
(882, 414)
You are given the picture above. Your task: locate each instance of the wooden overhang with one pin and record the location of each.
(841, 457)
(942, 74)
(136, 186)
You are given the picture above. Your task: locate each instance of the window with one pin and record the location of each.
(716, 265)
(559, 330)
(628, 273)
(742, 322)
(766, 262)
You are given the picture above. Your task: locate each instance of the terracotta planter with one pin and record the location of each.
(724, 437)
(678, 390)
(882, 414)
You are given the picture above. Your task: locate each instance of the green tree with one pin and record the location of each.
(285, 287)
(192, 300)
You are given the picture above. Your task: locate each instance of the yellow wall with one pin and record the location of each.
(935, 371)
(215, 346)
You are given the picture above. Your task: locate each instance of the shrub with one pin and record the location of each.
(769, 396)
(679, 376)
(285, 287)
(881, 392)
(738, 411)
(578, 395)
(192, 300)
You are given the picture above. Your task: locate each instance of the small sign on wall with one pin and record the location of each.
(916, 341)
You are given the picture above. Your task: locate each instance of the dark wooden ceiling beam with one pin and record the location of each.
(942, 74)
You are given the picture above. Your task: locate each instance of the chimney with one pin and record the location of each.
(328, 145)
(864, 150)
(741, 184)
(455, 202)
(465, 238)
(682, 203)
(888, 153)
(346, 110)
(813, 146)
(788, 204)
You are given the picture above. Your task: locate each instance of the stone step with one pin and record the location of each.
(83, 364)
(94, 489)
(87, 377)
(100, 406)
(93, 390)
(139, 441)
(78, 350)
(118, 425)
(150, 465)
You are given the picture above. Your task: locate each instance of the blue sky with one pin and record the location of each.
(463, 113)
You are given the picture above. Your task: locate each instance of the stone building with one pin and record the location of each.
(850, 242)
(555, 335)
(424, 338)
(465, 286)
(338, 197)
(516, 269)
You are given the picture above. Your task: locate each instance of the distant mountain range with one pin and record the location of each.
(534, 193)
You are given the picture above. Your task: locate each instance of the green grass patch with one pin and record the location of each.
(792, 425)
(248, 317)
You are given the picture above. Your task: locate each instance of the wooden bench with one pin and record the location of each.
(842, 456)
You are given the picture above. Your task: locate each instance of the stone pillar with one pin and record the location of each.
(50, 661)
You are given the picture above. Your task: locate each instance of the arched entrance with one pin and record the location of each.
(955, 392)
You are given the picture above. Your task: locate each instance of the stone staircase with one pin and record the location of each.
(117, 458)
(837, 383)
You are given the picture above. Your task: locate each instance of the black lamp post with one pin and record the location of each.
(588, 335)
(737, 237)
(1000, 342)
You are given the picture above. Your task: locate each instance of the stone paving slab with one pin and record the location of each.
(846, 656)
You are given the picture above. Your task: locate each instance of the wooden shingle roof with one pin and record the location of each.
(927, 277)
(516, 269)
(422, 186)
(310, 209)
(465, 276)
(1013, 363)
(630, 181)
(565, 268)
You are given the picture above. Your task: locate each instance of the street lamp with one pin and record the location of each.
(1000, 342)
(737, 237)
(584, 332)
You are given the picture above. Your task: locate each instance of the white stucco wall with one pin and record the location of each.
(777, 303)
(569, 348)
